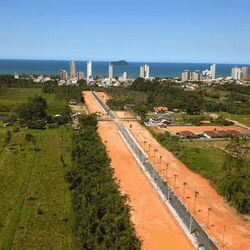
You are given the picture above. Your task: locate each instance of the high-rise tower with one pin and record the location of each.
(110, 71)
(213, 71)
(89, 70)
(72, 68)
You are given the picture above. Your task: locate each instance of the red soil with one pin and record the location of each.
(154, 223)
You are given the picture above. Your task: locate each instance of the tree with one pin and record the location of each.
(33, 113)
(235, 180)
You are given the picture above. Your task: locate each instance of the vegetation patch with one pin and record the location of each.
(102, 212)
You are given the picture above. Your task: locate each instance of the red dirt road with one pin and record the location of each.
(154, 223)
(237, 231)
(222, 216)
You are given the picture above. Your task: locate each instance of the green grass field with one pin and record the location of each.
(35, 207)
(244, 119)
(14, 96)
(205, 158)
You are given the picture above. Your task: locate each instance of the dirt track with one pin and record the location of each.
(237, 231)
(199, 129)
(154, 223)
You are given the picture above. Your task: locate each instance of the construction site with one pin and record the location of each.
(172, 207)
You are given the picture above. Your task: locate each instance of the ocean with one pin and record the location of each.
(52, 67)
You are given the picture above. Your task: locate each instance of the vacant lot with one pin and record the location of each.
(35, 208)
(10, 97)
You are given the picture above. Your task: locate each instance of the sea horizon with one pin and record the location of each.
(100, 68)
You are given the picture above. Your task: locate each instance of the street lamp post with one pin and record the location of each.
(149, 147)
(184, 189)
(160, 161)
(223, 236)
(155, 150)
(175, 176)
(196, 193)
(208, 213)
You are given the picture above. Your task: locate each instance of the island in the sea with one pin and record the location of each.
(120, 63)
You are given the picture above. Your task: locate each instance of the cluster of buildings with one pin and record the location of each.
(205, 75)
(144, 71)
(240, 73)
(73, 77)
(198, 75)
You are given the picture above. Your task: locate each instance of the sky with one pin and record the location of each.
(214, 31)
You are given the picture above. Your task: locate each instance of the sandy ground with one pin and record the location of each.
(237, 232)
(154, 223)
(199, 129)
(224, 222)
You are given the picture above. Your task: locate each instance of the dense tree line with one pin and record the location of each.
(102, 212)
(8, 81)
(65, 91)
(172, 95)
(235, 180)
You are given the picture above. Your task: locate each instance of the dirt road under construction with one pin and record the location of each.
(220, 221)
(154, 223)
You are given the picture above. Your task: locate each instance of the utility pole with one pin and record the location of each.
(195, 197)
(175, 176)
(160, 161)
(208, 213)
(184, 189)
(155, 150)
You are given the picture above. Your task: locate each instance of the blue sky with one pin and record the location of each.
(134, 30)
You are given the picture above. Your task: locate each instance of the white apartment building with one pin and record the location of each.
(237, 73)
(144, 71)
(89, 70)
(185, 76)
(213, 71)
(196, 75)
(110, 71)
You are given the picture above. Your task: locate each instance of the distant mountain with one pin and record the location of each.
(120, 63)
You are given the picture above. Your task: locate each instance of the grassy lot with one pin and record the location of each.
(14, 96)
(244, 119)
(203, 157)
(35, 207)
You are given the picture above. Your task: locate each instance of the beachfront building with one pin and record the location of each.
(245, 74)
(196, 75)
(125, 76)
(63, 75)
(72, 68)
(144, 71)
(237, 73)
(213, 71)
(80, 75)
(110, 71)
(89, 70)
(185, 76)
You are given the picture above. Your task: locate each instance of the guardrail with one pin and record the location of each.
(202, 238)
(104, 106)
